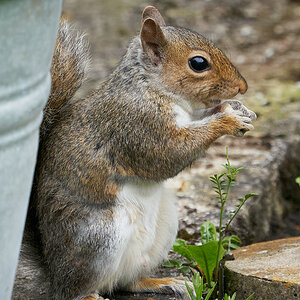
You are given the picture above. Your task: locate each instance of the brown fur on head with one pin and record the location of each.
(171, 48)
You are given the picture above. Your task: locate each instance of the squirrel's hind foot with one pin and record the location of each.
(94, 297)
(162, 286)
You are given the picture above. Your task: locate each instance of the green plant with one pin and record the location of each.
(226, 297)
(233, 297)
(222, 184)
(198, 286)
(199, 258)
(298, 180)
(206, 257)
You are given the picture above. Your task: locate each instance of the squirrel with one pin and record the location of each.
(99, 218)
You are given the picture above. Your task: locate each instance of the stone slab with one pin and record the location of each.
(271, 270)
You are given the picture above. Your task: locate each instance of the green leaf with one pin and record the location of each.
(226, 297)
(199, 290)
(235, 239)
(230, 246)
(232, 238)
(247, 196)
(206, 257)
(298, 180)
(180, 242)
(208, 232)
(191, 293)
(210, 291)
(180, 247)
(198, 285)
(176, 262)
(184, 270)
(231, 242)
(250, 297)
(168, 264)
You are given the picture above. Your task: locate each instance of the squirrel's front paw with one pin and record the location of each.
(241, 113)
(244, 111)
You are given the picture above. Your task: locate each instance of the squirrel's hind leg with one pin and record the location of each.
(161, 285)
(166, 229)
(94, 297)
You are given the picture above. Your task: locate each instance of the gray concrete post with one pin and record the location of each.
(27, 37)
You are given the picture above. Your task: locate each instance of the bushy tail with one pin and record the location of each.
(68, 71)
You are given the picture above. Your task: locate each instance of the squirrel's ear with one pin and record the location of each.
(153, 13)
(152, 39)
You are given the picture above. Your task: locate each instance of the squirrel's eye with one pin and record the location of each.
(198, 64)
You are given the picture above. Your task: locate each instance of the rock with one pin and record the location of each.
(274, 180)
(271, 270)
(270, 168)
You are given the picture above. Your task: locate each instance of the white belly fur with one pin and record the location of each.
(148, 216)
(182, 116)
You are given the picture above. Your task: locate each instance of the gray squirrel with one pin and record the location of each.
(99, 218)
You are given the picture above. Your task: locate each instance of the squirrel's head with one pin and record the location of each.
(189, 65)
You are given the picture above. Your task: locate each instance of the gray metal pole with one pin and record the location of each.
(27, 37)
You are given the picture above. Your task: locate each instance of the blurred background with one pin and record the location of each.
(262, 38)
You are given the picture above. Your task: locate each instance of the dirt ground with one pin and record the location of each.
(260, 37)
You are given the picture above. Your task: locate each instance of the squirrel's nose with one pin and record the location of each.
(243, 86)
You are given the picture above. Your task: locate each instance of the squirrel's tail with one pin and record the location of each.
(68, 71)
